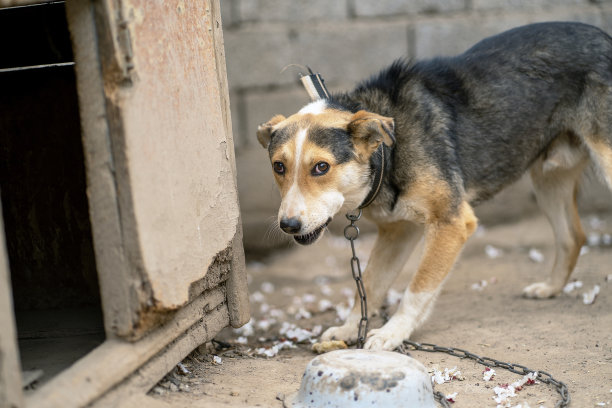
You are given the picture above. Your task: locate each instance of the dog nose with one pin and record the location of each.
(290, 225)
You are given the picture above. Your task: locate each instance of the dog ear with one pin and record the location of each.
(369, 130)
(264, 130)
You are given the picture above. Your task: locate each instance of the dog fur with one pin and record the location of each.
(459, 129)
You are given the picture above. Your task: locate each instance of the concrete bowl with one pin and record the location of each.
(363, 378)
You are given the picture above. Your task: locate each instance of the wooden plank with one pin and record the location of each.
(112, 262)
(10, 370)
(159, 155)
(237, 289)
(180, 175)
(115, 360)
(23, 3)
(148, 375)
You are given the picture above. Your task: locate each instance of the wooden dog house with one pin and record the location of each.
(122, 245)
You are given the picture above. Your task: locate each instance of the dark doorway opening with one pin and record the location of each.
(43, 189)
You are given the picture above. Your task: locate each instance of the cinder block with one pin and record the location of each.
(227, 17)
(450, 37)
(238, 119)
(350, 52)
(606, 18)
(260, 106)
(256, 55)
(369, 8)
(259, 200)
(437, 37)
(522, 4)
(291, 11)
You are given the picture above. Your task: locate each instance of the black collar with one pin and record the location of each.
(378, 179)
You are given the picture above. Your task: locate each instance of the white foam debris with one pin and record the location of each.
(242, 340)
(596, 223)
(325, 305)
(309, 298)
(507, 391)
(326, 290)
(440, 377)
(535, 255)
(571, 286)
(183, 369)
(342, 311)
(246, 330)
(273, 351)
(264, 324)
(264, 308)
(589, 297)
(394, 296)
(584, 250)
(217, 360)
(276, 313)
(451, 397)
(347, 292)
(267, 287)
(257, 296)
(297, 334)
(493, 252)
(479, 286)
(593, 239)
(488, 373)
(302, 314)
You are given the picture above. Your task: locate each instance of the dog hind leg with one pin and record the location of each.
(555, 177)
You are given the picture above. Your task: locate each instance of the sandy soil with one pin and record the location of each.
(307, 286)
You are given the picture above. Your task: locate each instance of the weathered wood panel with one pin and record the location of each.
(10, 371)
(183, 193)
(160, 166)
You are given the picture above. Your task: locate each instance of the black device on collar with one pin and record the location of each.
(316, 89)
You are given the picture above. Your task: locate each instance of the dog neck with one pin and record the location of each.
(379, 173)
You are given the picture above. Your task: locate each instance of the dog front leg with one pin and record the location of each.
(443, 243)
(394, 244)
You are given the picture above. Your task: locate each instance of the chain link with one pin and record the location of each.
(543, 376)
(351, 232)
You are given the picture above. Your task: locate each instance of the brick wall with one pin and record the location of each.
(346, 41)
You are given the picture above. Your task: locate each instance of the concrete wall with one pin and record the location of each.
(348, 40)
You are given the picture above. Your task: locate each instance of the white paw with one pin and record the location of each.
(384, 339)
(346, 332)
(540, 290)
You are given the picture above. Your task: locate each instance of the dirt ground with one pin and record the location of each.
(480, 309)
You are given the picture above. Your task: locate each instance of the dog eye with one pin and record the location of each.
(320, 168)
(278, 167)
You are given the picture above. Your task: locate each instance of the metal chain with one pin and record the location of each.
(543, 376)
(351, 232)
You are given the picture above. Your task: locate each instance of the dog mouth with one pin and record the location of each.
(312, 236)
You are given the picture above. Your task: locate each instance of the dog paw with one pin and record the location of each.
(383, 339)
(540, 290)
(348, 333)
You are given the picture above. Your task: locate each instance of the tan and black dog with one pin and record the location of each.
(423, 142)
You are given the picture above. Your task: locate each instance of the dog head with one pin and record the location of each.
(321, 162)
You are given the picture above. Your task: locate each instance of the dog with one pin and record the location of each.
(418, 145)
